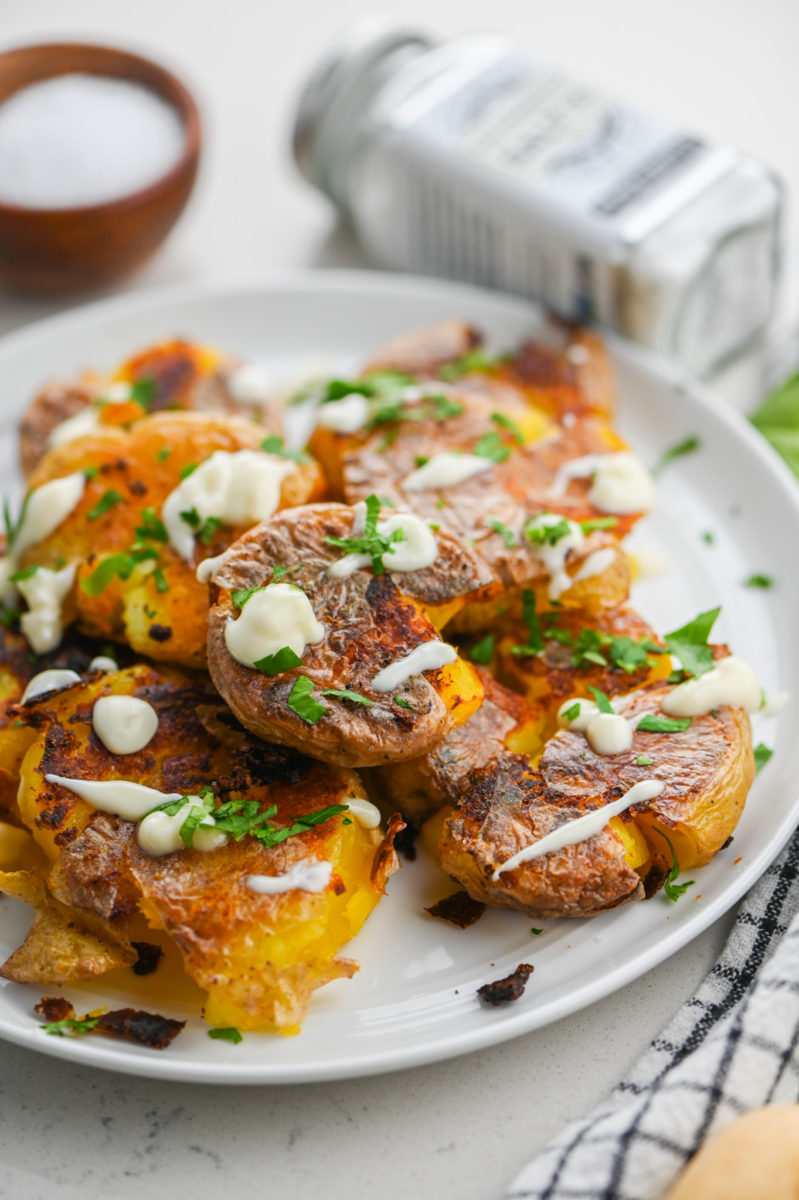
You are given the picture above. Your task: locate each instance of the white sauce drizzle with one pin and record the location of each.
(250, 384)
(445, 470)
(45, 509)
(731, 681)
(53, 680)
(207, 568)
(121, 797)
(103, 663)
(430, 656)
(311, 876)
(83, 422)
(279, 615)
(44, 593)
(596, 564)
(418, 550)
(239, 488)
(159, 833)
(621, 483)
(582, 828)
(554, 557)
(608, 733)
(364, 812)
(124, 724)
(347, 415)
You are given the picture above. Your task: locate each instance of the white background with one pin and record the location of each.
(459, 1129)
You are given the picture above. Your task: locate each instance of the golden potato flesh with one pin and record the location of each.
(370, 621)
(131, 584)
(258, 956)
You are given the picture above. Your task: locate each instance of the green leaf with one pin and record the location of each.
(491, 445)
(112, 567)
(673, 890)
(598, 523)
(780, 409)
(302, 702)
(759, 581)
(686, 446)
(506, 423)
(654, 724)
(346, 694)
(106, 502)
(370, 542)
(191, 517)
(483, 651)
(160, 581)
(280, 572)
(603, 704)
(241, 595)
(21, 576)
(403, 703)
(572, 712)
(164, 453)
(473, 360)
(274, 445)
(143, 392)
(188, 470)
(550, 535)
(689, 643)
(508, 536)
(535, 931)
(643, 760)
(90, 473)
(226, 1033)
(209, 529)
(70, 1025)
(195, 818)
(152, 528)
(282, 660)
(627, 655)
(762, 755)
(535, 642)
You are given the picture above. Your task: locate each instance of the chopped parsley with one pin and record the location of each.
(242, 818)
(679, 450)
(160, 580)
(491, 445)
(643, 760)
(280, 572)
(188, 470)
(689, 643)
(164, 453)
(535, 931)
(572, 712)
(762, 755)
(227, 1033)
(510, 425)
(483, 651)
(115, 566)
(370, 542)
(650, 723)
(282, 660)
(107, 501)
(142, 392)
(403, 703)
(507, 535)
(191, 517)
(347, 694)
(598, 523)
(302, 702)
(90, 473)
(70, 1025)
(674, 890)
(152, 528)
(23, 574)
(759, 581)
(603, 704)
(241, 595)
(535, 641)
(274, 445)
(547, 535)
(708, 538)
(473, 360)
(209, 529)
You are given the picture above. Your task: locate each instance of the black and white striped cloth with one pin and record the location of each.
(732, 1047)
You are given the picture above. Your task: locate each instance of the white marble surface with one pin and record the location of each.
(455, 1129)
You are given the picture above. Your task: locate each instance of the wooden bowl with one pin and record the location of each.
(58, 250)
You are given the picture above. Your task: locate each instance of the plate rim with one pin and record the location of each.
(150, 1064)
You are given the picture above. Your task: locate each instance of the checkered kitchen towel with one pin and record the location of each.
(732, 1047)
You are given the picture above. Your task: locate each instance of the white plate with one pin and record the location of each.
(414, 998)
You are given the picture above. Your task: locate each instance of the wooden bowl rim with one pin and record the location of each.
(180, 98)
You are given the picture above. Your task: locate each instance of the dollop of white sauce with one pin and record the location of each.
(44, 593)
(124, 724)
(45, 509)
(83, 422)
(621, 482)
(588, 710)
(121, 797)
(608, 733)
(554, 557)
(418, 550)
(310, 876)
(239, 488)
(582, 828)
(596, 564)
(430, 656)
(731, 681)
(347, 415)
(250, 384)
(445, 470)
(158, 833)
(53, 680)
(103, 662)
(276, 616)
(207, 568)
(364, 812)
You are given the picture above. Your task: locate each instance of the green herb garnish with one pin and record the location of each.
(673, 890)
(603, 704)
(22, 575)
(164, 453)
(491, 445)
(483, 651)
(643, 760)
(70, 1025)
(188, 470)
(506, 423)
(370, 542)
(547, 534)
(473, 360)
(106, 502)
(403, 703)
(598, 523)
(535, 642)
(152, 528)
(160, 581)
(241, 595)
(115, 566)
(686, 446)
(689, 643)
(654, 724)
(302, 702)
(209, 529)
(759, 581)
(347, 694)
(274, 445)
(572, 712)
(227, 1033)
(282, 660)
(762, 755)
(142, 391)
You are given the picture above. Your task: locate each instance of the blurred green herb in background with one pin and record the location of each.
(778, 421)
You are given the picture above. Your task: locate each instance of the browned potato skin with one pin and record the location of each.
(754, 1158)
(370, 621)
(55, 403)
(423, 351)
(419, 787)
(127, 461)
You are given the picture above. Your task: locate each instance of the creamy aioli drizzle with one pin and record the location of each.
(418, 550)
(53, 680)
(276, 616)
(554, 556)
(124, 724)
(606, 733)
(159, 833)
(347, 415)
(88, 418)
(731, 681)
(430, 656)
(238, 488)
(445, 470)
(596, 564)
(583, 828)
(621, 483)
(249, 384)
(311, 876)
(103, 663)
(44, 593)
(45, 509)
(364, 812)
(207, 568)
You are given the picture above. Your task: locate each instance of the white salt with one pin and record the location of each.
(83, 139)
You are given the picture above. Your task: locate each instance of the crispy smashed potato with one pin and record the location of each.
(369, 622)
(154, 602)
(259, 957)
